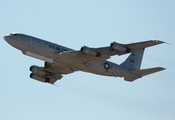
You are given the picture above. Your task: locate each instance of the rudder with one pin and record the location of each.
(133, 62)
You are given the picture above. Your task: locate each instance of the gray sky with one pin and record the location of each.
(85, 96)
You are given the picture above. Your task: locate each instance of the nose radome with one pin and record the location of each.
(5, 37)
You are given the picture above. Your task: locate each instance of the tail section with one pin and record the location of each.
(133, 62)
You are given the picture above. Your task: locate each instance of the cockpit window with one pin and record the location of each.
(13, 34)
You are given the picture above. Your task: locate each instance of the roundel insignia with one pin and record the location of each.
(106, 66)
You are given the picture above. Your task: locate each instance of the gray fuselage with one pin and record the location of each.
(47, 49)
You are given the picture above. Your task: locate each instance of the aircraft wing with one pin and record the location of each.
(89, 56)
(79, 59)
(129, 47)
(59, 68)
(67, 63)
(51, 72)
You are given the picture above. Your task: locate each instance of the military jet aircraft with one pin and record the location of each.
(60, 60)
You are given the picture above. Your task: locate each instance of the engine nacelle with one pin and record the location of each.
(38, 70)
(117, 46)
(90, 51)
(39, 78)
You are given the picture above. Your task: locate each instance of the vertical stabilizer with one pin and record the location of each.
(133, 62)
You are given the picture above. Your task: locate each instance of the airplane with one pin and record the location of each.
(60, 60)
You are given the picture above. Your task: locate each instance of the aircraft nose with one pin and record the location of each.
(7, 38)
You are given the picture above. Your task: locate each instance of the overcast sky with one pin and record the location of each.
(85, 96)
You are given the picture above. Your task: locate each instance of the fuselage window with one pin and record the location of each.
(64, 49)
(13, 34)
(57, 48)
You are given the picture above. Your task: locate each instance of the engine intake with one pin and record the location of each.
(117, 46)
(90, 51)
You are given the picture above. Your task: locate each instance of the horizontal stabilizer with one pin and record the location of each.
(148, 71)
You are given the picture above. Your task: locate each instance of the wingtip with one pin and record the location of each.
(158, 41)
(161, 68)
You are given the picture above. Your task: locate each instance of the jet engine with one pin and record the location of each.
(38, 70)
(90, 51)
(39, 78)
(39, 74)
(117, 46)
